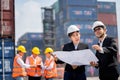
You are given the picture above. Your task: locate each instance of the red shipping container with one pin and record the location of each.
(7, 24)
(7, 16)
(7, 28)
(108, 18)
(7, 4)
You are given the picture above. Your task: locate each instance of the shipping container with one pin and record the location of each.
(7, 15)
(7, 24)
(7, 77)
(106, 7)
(64, 3)
(84, 26)
(32, 36)
(7, 53)
(8, 48)
(108, 19)
(8, 65)
(88, 39)
(55, 6)
(30, 40)
(112, 31)
(79, 13)
(48, 15)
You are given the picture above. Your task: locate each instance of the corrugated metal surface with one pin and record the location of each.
(81, 13)
(8, 49)
(108, 19)
(8, 28)
(82, 2)
(8, 66)
(56, 7)
(7, 19)
(112, 31)
(30, 40)
(48, 15)
(7, 77)
(107, 7)
(7, 16)
(64, 3)
(32, 36)
(84, 26)
(89, 39)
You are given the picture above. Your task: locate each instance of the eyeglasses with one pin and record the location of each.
(97, 29)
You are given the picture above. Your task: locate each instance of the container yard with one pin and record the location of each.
(55, 20)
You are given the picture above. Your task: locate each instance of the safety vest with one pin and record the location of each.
(17, 69)
(36, 70)
(52, 73)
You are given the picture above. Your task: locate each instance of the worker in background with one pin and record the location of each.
(106, 52)
(50, 70)
(19, 65)
(74, 72)
(34, 73)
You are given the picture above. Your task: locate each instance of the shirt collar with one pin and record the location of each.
(103, 39)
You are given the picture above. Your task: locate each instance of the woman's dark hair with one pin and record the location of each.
(70, 34)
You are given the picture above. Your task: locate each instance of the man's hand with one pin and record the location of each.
(92, 63)
(96, 47)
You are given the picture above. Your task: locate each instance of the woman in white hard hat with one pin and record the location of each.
(106, 52)
(74, 72)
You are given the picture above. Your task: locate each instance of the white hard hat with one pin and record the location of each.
(98, 23)
(72, 28)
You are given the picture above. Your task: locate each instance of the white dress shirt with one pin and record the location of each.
(21, 63)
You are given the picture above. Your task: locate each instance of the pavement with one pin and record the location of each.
(88, 78)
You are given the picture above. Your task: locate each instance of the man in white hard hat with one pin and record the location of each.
(73, 72)
(106, 52)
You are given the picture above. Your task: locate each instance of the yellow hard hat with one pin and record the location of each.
(36, 50)
(21, 48)
(48, 50)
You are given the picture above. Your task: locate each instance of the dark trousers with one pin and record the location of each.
(49, 79)
(109, 78)
(34, 78)
(74, 76)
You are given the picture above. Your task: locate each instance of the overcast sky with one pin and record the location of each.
(28, 15)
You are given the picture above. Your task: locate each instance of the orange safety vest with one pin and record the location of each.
(50, 73)
(17, 69)
(37, 70)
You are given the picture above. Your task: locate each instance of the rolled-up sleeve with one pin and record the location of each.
(20, 62)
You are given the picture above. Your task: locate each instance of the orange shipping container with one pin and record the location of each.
(108, 18)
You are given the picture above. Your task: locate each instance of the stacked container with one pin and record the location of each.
(30, 40)
(107, 14)
(81, 13)
(7, 43)
(6, 58)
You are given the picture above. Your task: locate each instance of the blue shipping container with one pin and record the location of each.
(64, 3)
(112, 31)
(7, 77)
(8, 48)
(84, 26)
(89, 39)
(8, 65)
(80, 13)
(32, 36)
(106, 7)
